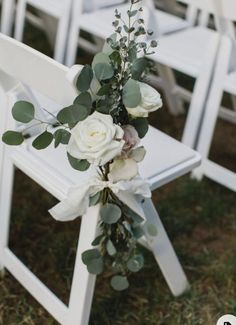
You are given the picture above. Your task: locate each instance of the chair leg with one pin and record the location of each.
(8, 7)
(60, 46)
(174, 102)
(164, 252)
(6, 185)
(20, 20)
(83, 282)
(72, 46)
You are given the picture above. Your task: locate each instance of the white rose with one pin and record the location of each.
(96, 139)
(150, 102)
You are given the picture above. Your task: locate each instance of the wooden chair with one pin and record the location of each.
(98, 23)
(192, 52)
(59, 9)
(20, 66)
(7, 16)
(224, 81)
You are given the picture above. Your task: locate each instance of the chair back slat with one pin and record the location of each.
(206, 5)
(36, 70)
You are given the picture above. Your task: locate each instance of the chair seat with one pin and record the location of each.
(51, 7)
(163, 155)
(230, 83)
(99, 22)
(185, 50)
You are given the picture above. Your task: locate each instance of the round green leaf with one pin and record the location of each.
(78, 164)
(152, 230)
(138, 67)
(93, 200)
(97, 240)
(100, 58)
(61, 136)
(135, 263)
(103, 71)
(96, 266)
(119, 283)
(43, 140)
(90, 255)
(23, 111)
(85, 78)
(73, 114)
(84, 99)
(141, 125)
(110, 213)
(131, 94)
(12, 138)
(111, 250)
(137, 232)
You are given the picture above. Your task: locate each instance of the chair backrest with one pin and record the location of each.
(41, 73)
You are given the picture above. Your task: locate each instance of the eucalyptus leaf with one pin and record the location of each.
(132, 214)
(23, 111)
(13, 138)
(138, 232)
(96, 266)
(136, 263)
(93, 260)
(107, 47)
(103, 71)
(90, 255)
(138, 67)
(131, 94)
(85, 78)
(110, 213)
(104, 90)
(152, 230)
(119, 283)
(93, 200)
(43, 140)
(73, 114)
(97, 240)
(100, 58)
(84, 99)
(141, 125)
(78, 164)
(61, 136)
(111, 250)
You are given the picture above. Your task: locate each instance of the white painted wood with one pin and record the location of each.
(7, 16)
(222, 82)
(163, 252)
(45, 168)
(59, 9)
(98, 23)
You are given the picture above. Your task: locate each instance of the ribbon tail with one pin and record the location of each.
(75, 205)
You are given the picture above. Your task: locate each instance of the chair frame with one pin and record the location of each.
(61, 91)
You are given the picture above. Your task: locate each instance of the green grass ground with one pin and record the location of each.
(199, 217)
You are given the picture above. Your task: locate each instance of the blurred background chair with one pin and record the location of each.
(98, 23)
(224, 81)
(7, 16)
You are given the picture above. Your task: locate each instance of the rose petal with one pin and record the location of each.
(123, 169)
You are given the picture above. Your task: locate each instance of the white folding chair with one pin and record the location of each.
(174, 159)
(98, 23)
(59, 9)
(7, 16)
(224, 81)
(191, 51)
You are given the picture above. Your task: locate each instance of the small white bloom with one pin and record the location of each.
(150, 102)
(96, 139)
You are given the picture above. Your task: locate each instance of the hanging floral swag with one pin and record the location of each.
(103, 128)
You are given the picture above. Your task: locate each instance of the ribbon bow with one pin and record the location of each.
(77, 201)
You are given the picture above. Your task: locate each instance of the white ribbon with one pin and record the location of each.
(77, 201)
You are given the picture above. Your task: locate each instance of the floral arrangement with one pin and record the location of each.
(102, 129)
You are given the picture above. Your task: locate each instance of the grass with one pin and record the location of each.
(199, 217)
